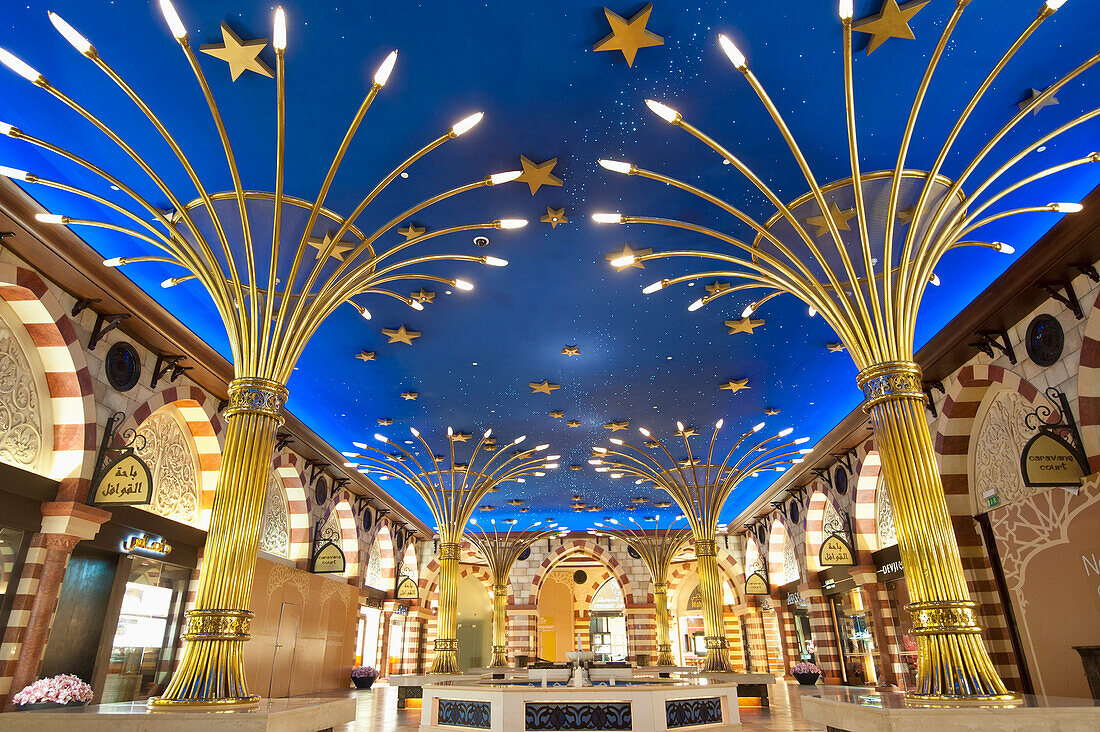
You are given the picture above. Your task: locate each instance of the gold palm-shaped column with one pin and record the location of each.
(868, 285)
(271, 298)
(700, 487)
(452, 489)
(657, 547)
(501, 550)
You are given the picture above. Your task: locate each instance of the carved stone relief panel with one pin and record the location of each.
(171, 460)
(884, 518)
(21, 436)
(275, 524)
(790, 561)
(1001, 438)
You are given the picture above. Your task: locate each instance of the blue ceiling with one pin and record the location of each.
(531, 68)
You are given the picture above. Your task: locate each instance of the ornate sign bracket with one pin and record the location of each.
(326, 557)
(121, 477)
(1055, 456)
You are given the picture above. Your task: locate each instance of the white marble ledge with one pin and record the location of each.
(854, 717)
(422, 679)
(299, 714)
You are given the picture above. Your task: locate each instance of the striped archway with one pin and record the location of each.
(866, 491)
(593, 549)
(287, 467)
(349, 537)
(1088, 388)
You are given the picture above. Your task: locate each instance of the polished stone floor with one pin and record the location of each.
(377, 712)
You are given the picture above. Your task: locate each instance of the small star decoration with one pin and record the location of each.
(338, 250)
(573, 423)
(423, 295)
(537, 175)
(461, 436)
(892, 21)
(835, 347)
(715, 287)
(241, 55)
(570, 351)
(543, 387)
(411, 231)
(626, 252)
(385, 422)
(1030, 95)
(365, 356)
(401, 335)
(771, 411)
(686, 432)
(821, 221)
(409, 396)
(744, 325)
(557, 414)
(616, 426)
(735, 385)
(555, 216)
(629, 35)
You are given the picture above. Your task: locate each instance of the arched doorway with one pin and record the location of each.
(607, 626)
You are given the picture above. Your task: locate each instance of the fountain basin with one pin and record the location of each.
(658, 706)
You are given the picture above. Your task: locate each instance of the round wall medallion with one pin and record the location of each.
(320, 491)
(123, 366)
(792, 511)
(840, 480)
(368, 519)
(1045, 340)
(524, 554)
(580, 577)
(633, 552)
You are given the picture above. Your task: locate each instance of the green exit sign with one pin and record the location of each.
(993, 501)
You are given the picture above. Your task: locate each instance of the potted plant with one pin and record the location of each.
(363, 676)
(806, 673)
(63, 690)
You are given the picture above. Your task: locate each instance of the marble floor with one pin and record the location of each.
(377, 712)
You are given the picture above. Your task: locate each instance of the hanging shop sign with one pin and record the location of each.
(407, 589)
(1053, 457)
(144, 543)
(757, 584)
(125, 480)
(888, 566)
(695, 600)
(836, 552)
(328, 557)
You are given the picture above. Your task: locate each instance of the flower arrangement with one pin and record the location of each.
(60, 689)
(805, 668)
(364, 672)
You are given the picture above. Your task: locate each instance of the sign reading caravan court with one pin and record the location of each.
(329, 559)
(1048, 460)
(126, 481)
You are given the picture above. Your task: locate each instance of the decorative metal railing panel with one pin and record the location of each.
(464, 713)
(578, 716)
(692, 712)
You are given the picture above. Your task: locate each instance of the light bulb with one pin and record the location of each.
(595, 461)
(553, 458)
(513, 223)
(5, 128)
(114, 262)
(1066, 207)
(623, 261)
(802, 440)
(385, 69)
(170, 282)
(487, 433)
(607, 218)
(934, 279)
(719, 423)
(497, 178)
(278, 40)
(380, 438)
(495, 262)
(615, 441)
(47, 218)
(363, 311)
(600, 450)
(79, 42)
(360, 445)
(14, 173)
(463, 285)
(351, 465)
(175, 25)
(644, 431)
(450, 432)
(797, 460)
(805, 451)
(519, 439)
(1055, 4)
(784, 433)
(665, 112)
(616, 166)
(467, 124)
(695, 305)
(550, 466)
(540, 448)
(1004, 248)
(650, 289)
(18, 66)
(415, 432)
(416, 305)
(757, 428)
(845, 9)
(732, 52)
(539, 473)
(749, 310)
(812, 311)
(679, 426)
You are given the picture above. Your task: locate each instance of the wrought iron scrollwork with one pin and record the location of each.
(578, 716)
(692, 712)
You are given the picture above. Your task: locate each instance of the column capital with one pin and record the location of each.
(74, 519)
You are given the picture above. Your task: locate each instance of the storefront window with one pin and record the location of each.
(608, 637)
(11, 556)
(857, 644)
(898, 592)
(144, 646)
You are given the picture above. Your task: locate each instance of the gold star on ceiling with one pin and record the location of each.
(515, 502)
(461, 436)
(423, 295)
(537, 175)
(543, 387)
(411, 231)
(687, 432)
(627, 252)
(576, 467)
(557, 414)
(365, 355)
(385, 422)
(401, 335)
(338, 250)
(1030, 96)
(570, 351)
(892, 21)
(629, 35)
(905, 216)
(835, 347)
(555, 216)
(715, 287)
(409, 396)
(573, 423)
(652, 444)
(821, 222)
(771, 411)
(735, 385)
(241, 55)
(744, 325)
(524, 510)
(616, 426)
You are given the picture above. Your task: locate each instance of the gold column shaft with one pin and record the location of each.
(710, 590)
(664, 642)
(500, 626)
(446, 641)
(211, 669)
(953, 662)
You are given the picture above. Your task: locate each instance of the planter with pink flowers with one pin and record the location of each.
(63, 690)
(806, 673)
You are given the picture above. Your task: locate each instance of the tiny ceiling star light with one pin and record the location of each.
(629, 35)
(241, 55)
(537, 175)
